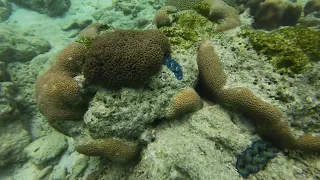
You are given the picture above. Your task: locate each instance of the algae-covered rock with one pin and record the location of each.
(50, 7)
(289, 49)
(17, 46)
(10, 103)
(188, 29)
(126, 112)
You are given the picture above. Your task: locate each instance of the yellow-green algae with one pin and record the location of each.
(188, 29)
(289, 49)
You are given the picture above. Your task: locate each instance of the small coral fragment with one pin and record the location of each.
(163, 17)
(185, 101)
(115, 150)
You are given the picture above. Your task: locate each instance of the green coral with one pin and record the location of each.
(188, 29)
(289, 49)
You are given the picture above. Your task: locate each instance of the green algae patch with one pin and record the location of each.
(289, 49)
(188, 29)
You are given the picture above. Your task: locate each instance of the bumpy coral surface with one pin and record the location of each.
(115, 150)
(164, 17)
(58, 97)
(125, 57)
(183, 4)
(70, 60)
(211, 75)
(185, 101)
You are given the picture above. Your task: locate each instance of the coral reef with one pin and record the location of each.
(289, 49)
(125, 57)
(271, 14)
(267, 119)
(255, 158)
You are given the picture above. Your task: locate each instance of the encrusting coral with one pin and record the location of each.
(185, 101)
(268, 119)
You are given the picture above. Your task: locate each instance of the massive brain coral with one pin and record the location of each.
(125, 57)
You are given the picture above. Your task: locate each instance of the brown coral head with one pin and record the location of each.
(125, 57)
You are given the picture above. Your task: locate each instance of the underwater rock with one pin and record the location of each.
(5, 10)
(13, 139)
(50, 7)
(46, 148)
(17, 46)
(9, 106)
(4, 75)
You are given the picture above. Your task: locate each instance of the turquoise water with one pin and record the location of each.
(157, 90)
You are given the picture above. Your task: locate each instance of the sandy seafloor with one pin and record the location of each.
(203, 145)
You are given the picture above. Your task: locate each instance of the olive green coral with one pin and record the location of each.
(289, 49)
(188, 28)
(125, 57)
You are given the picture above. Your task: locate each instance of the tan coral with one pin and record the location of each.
(185, 101)
(220, 11)
(211, 75)
(268, 119)
(71, 59)
(58, 96)
(164, 17)
(118, 151)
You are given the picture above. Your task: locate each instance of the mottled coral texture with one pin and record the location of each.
(125, 57)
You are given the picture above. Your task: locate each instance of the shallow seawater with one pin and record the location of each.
(159, 89)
